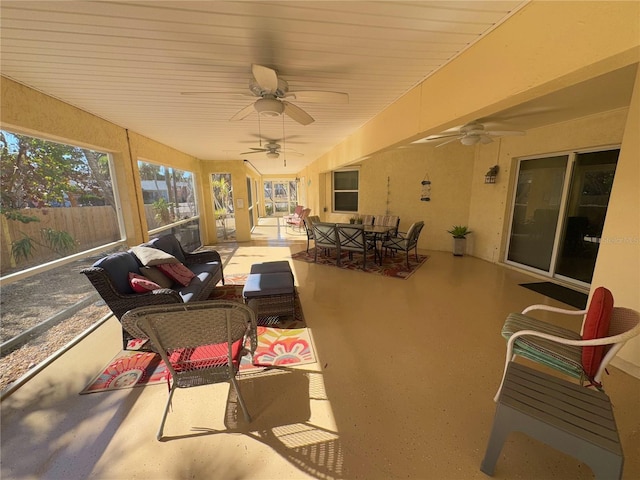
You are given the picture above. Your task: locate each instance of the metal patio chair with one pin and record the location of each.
(405, 242)
(351, 238)
(326, 237)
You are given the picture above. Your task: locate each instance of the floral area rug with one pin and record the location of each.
(281, 342)
(392, 266)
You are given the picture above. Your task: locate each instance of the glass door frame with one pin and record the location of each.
(291, 194)
(562, 215)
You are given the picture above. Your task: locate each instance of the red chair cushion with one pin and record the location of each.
(596, 325)
(205, 356)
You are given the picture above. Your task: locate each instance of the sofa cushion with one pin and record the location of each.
(178, 272)
(149, 256)
(169, 244)
(118, 265)
(156, 276)
(142, 284)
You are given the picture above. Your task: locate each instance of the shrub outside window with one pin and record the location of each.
(345, 190)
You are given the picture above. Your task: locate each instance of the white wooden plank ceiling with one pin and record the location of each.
(131, 62)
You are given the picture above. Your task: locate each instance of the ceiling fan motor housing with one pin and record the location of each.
(280, 92)
(269, 107)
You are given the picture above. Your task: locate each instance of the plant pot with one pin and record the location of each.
(459, 246)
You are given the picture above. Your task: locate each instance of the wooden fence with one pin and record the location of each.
(90, 227)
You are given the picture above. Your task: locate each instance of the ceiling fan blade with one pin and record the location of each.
(266, 77)
(498, 133)
(244, 113)
(451, 140)
(484, 139)
(318, 96)
(440, 136)
(218, 92)
(297, 114)
(255, 150)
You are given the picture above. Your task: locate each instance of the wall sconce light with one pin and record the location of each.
(490, 176)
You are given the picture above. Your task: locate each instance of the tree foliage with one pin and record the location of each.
(39, 173)
(35, 173)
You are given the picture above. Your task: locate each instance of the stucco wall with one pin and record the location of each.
(618, 264)
(27, 111)
(490, 207)
(390, 183)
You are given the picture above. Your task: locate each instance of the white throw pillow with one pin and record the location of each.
(153, 256)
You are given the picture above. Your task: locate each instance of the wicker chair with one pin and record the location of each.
(574, 354)
(405, 242)
(201, 343)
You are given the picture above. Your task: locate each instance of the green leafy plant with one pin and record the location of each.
(459, 231)
(60, 242)
(161, 210)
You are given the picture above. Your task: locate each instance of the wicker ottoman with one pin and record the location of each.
(272, 267)
(273, 294)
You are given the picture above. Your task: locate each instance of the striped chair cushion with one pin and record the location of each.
(565, 358)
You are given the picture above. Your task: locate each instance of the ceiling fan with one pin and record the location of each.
(470, 134)
(272, 150)
(272, 91)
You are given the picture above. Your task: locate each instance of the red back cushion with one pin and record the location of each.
(141, 284)
(596, 325)
(178, 272)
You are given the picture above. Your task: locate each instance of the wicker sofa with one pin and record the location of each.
(110, 277)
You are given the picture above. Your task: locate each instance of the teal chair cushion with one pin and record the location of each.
(565, 358)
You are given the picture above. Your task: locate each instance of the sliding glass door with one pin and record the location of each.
(558, 213)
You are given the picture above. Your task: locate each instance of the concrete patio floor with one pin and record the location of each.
(403, 388)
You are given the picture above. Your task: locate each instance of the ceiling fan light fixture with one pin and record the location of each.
(269, 107)
(273, 155)
(470, 140)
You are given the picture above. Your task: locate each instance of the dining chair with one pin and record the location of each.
(351, 238)
(308, 225)
(325, 237)
(200, 343)
(405, 242)
(388, 221)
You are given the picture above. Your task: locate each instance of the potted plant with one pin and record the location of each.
(459, 233)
